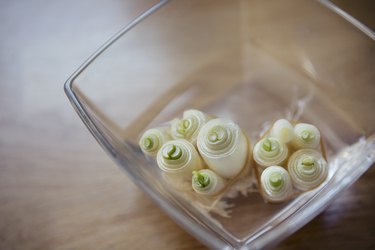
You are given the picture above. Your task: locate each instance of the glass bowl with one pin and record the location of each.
(249, 61)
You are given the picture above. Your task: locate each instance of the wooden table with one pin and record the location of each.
(58, 190)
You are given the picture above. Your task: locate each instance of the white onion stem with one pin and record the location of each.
(270, 152)
(152, 140)
(276, 184)
(306, 136)
(283, 130)
(189, 126)
(307, 168)
(207, 182)
(179, 158)
(223, 146)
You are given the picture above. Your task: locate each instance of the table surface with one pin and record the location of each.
(58, 190)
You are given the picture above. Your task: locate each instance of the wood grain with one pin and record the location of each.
(58, 190)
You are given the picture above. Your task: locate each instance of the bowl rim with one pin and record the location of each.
(345, 15)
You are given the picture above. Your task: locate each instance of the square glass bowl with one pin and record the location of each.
(251, 61)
